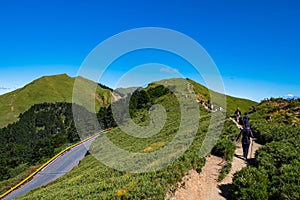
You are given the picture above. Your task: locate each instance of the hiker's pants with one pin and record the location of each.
(245, 150)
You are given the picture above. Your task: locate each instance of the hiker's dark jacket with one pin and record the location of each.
(237, 112)
(246, 133)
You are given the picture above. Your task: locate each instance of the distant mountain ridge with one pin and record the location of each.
(290, 97)
(59, 88)
(50, 89)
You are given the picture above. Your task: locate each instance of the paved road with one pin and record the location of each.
(55, 169)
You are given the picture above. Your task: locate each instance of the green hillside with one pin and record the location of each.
(232, 103)
(50, 89)
(93, 180)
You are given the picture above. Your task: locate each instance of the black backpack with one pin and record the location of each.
(246, 136)
(246, 121)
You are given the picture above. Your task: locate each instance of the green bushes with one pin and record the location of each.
(277, 154)
(249, 183)
(273, 131)
(276, 171)
(225, 149)
(224, 171)
(278, 164)
(225, 146)
(287, 184)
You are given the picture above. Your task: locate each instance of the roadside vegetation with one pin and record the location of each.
(41, 132)
(92, 179)
(49, 127)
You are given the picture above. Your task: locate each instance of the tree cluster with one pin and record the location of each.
(35, 136)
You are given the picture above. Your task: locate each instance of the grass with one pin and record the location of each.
(232, 103)
(224, 171)
(23, 171)
(94, 180)
(50, 89)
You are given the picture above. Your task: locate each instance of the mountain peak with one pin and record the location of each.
(50, 89)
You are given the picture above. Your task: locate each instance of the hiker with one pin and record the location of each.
(254, 109)
(246, 133)
(246, 119)
(208, 104)
(237, 115)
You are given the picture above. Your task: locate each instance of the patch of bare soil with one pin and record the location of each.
(195, 186)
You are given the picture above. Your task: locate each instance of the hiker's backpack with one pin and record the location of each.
(246, 136)
(246, 121)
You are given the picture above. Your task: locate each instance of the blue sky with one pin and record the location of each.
(255, 44)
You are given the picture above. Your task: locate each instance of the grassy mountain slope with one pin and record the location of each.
(232, 103)
(93, 180)
(48, 89)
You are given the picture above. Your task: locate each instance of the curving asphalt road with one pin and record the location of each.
(58, 167)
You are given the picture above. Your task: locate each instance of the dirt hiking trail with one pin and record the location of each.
(204, 186)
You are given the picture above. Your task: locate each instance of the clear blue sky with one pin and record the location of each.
(255, 44)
